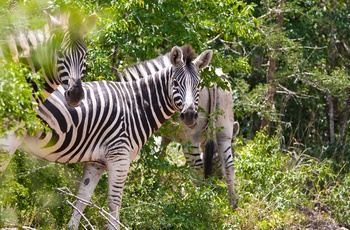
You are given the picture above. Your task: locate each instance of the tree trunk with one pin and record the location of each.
(344, 120)
(330, 117)
(330, 66)
(271, 69)
(114, 61)
(269, 93)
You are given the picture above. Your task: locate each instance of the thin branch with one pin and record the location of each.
(85, 218)
(331, 124)
(298, 47)
(212, 40)
(311, 83)
(107, 215)
(228, 47)
(344, 120)
(274, 11)
(272, 190)
(286, 91)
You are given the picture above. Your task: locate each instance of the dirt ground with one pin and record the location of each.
(318, 220)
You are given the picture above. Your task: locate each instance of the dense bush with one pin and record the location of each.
(275, 190)
(294, 174)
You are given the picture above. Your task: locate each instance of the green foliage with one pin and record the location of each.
(27, 195)
(289, 179)
(126, 32)
(274, 189)
(16, 106)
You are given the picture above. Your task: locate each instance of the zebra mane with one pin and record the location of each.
(146, 68)
(188, 53)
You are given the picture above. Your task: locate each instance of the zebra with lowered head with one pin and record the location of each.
(214, 130)
(113, 122)
(59, 52)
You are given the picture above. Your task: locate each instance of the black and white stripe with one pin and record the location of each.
(58, 51)
(113, 122)
(216, 137)
(214, 133)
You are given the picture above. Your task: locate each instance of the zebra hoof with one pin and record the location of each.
(234, 204)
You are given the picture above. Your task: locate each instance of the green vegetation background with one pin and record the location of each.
(292, 171)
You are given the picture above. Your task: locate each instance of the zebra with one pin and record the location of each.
(213, 134)
(113, 122)
(220, 130)
(58, 50)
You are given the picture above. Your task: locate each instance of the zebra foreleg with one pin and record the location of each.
(193, 156)
(117, 173)
(92, 174)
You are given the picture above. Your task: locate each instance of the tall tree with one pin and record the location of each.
(278, 13)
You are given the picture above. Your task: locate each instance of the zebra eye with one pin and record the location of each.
(60, 54)
(176, 84)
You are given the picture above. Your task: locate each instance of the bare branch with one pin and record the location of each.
(330, 113)
(212, 40)
(286, 91)
(292, 93)
(85, 218)
(297, 47)
(228, 47)
(105, 214)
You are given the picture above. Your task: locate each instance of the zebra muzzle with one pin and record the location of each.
(189, 117)
(75, 94)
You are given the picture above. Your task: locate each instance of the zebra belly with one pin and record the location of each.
(38, 148)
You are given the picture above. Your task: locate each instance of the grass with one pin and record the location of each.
(275, 189)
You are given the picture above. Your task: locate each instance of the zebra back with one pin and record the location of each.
(144, 69)
(147, 68)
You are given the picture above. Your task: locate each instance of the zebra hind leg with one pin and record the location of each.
(227, 167)
(92, 174)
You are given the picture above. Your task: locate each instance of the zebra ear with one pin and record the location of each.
(204, 59)
(176, 55)
(52, 21)
(88, 24)
(235, 129)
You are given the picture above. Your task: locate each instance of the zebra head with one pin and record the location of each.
(71, 53)
(186, 79)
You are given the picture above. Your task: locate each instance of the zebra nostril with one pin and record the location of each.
(67, 94)
(195, 116)
(182, 116)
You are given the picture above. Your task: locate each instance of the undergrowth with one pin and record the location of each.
(276, 189)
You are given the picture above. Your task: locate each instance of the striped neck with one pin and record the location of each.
(44, 59)
(157, 99)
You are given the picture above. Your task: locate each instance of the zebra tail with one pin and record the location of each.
(210, 144)
(208, 158)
